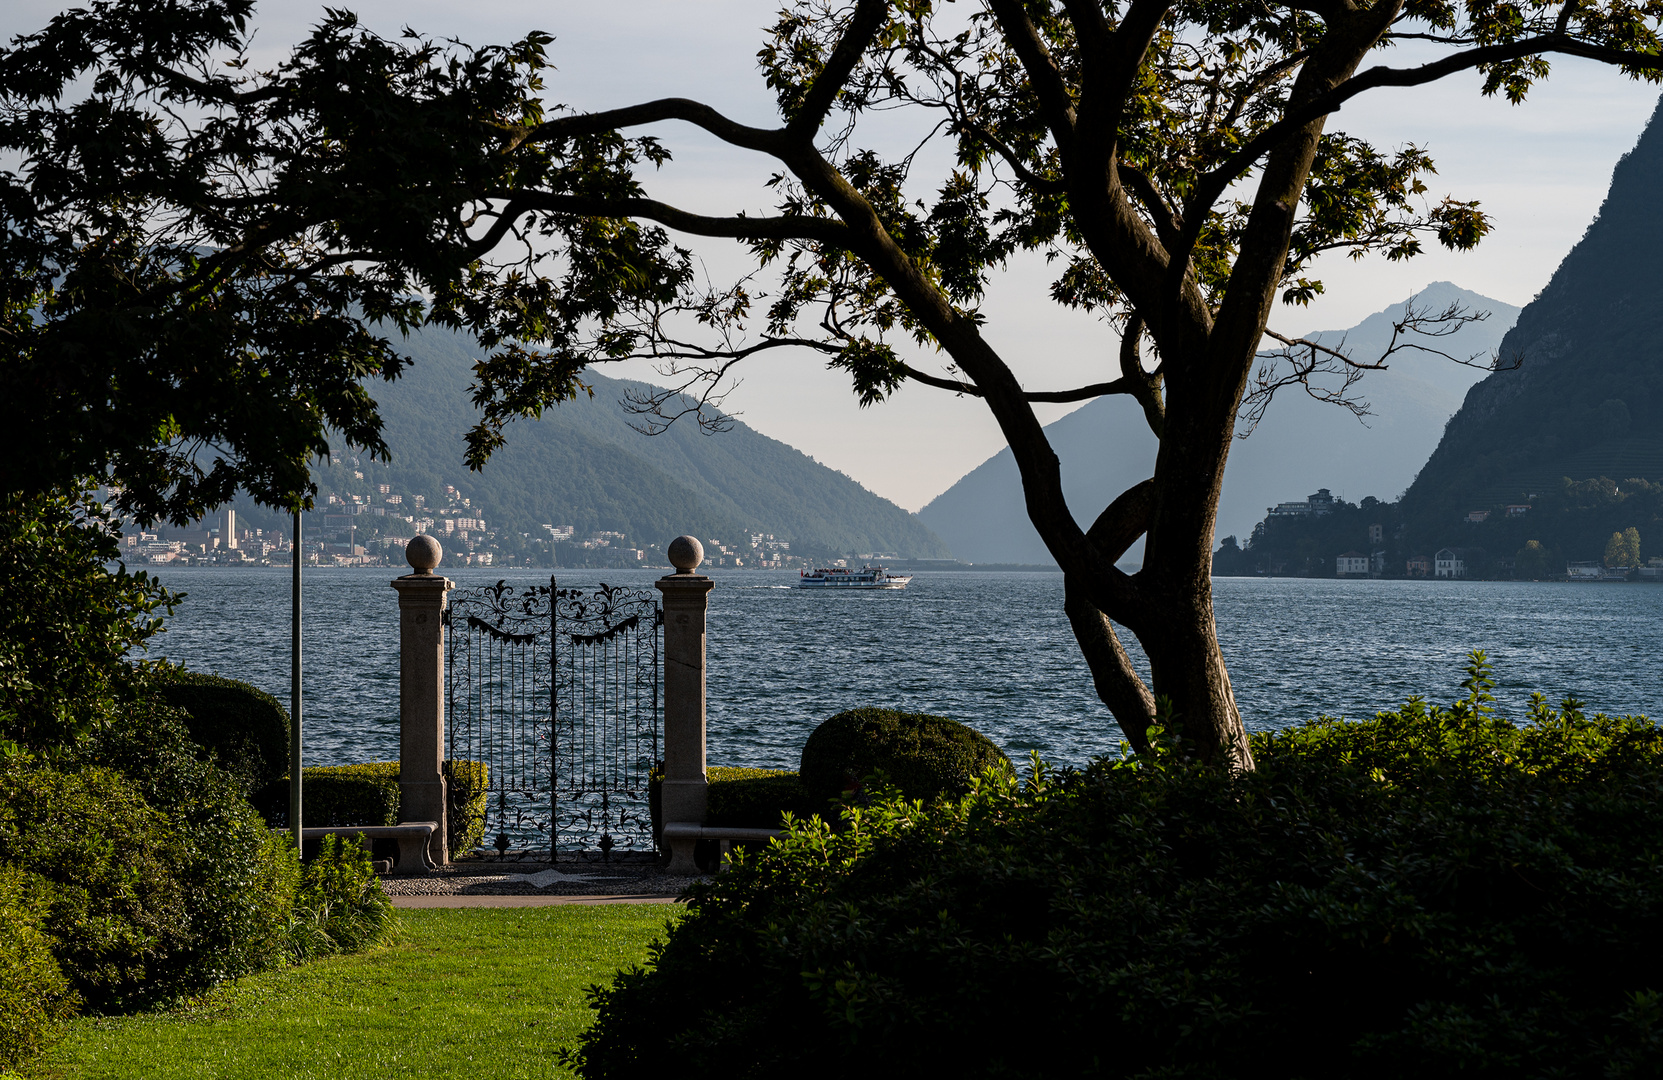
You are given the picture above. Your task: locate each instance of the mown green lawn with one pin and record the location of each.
(478, 992)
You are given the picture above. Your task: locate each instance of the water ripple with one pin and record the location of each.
(993, 650)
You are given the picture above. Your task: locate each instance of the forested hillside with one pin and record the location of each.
(583, 465)
(1588, 400)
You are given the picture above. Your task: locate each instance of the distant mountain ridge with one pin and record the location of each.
(1302, 444)
(1588, 400)
(583, 465)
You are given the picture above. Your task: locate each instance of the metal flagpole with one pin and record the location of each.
(294, 689)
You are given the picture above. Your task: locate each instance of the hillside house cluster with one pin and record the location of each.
(370, 522)
(1318, 505)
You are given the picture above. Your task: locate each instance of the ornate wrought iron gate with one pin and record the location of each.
(557, 691)
(607, 712)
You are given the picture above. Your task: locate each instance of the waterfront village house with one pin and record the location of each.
(1447, 563)
(1518, 509)
(1653, 570)
(1478, 517)
(1585, 571)
(1351, 564)
(1419, 566)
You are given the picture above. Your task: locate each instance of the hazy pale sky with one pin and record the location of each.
(1540, 169)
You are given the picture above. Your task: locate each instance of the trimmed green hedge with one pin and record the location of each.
(364, 794)
(245, 727)
(467, 790)
(739, 797)
(925, 756)
(754, 798)
(1432, 893)
(368, 794)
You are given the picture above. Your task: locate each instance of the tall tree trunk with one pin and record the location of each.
(1187, 667)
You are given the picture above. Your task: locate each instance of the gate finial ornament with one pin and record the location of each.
(423, 553)
(686, 553)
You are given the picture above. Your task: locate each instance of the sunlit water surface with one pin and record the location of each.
(992, 650)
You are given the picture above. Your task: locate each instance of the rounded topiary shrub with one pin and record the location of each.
(244, 726)
(925, 756)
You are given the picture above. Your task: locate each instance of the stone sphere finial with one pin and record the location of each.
(423, 553)
(686, 553)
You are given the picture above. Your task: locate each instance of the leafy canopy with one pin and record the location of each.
(69, 622)
(206, 266)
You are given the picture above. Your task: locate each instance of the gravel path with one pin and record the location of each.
(490, 877)
(459, 900)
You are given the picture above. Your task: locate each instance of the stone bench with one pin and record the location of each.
(413, 839)
(688, 831)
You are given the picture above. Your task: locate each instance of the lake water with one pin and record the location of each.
(992, 650)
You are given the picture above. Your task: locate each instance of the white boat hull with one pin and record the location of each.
(840, 579)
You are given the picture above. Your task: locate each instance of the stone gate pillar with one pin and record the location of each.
(421, 707)
(686, 597)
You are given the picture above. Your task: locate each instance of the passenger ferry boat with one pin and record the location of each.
(841, 577)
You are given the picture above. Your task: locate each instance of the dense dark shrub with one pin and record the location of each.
(34, 995)
(924, 756)
(1435, 892)
(246, 728)
(227, 865)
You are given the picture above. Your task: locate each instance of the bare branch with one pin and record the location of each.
(1449, 321)
(789, 227)
(659, 407)
(1336, 354)
(1310, 359)
(1316, 360)
(766, 140)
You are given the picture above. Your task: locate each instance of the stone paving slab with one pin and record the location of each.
(460, 900)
